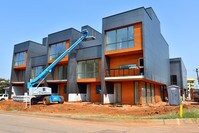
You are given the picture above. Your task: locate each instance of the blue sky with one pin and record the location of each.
(23, 20)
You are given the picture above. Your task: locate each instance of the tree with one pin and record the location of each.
(4, 84)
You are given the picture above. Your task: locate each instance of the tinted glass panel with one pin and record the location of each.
(87, 69)
(19, 59)
(36, 71)
(56, 50)
(122, 35)
(110, 37)
(120, 38)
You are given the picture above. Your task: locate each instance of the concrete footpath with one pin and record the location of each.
(182, 121)
(17, 122)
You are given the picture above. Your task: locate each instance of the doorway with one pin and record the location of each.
(117, 92)
(55, 88)
(88, 92)
(136, 93)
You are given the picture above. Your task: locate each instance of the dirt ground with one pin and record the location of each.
(91, 108)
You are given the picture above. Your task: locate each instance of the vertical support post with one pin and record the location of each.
(181, 108)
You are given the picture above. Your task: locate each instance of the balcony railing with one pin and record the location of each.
(122, 72)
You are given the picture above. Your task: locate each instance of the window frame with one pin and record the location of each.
(84, 72)
(117, 43)
(57, 51)
(18, 58)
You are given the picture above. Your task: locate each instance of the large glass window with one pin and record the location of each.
(148, 93)
(120, 38)
(19, 58)
(88, 69)
(60, 72)
(36, 71)
(143, 93)
(56, 50)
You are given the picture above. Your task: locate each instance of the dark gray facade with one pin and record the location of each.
(84, 51)
(178, 68)
(155, 48)
(34, 51)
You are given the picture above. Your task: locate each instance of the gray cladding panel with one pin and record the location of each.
(39, 61)
(177, 67)
(72, 73)
(184, 75)
(21, 47)
(156, 51)
(127, 18)
(89, 53)
(176, 70)
(62, 35)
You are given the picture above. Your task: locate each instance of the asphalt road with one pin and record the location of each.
(25, 123)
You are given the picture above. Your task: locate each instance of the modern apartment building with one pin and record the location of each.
(178, 75)
(25, 60)
(127, 64)
(75, 75)
(190, 86)
(135, 58)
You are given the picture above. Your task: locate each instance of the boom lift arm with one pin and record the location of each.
(41, 77)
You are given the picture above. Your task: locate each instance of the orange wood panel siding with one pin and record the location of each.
(115, 62)
(65, 59)
(138, 36)
(95, 97)
(61, 91)
(127, 93)
(138, 40)
(157, 93)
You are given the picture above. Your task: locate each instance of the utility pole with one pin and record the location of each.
(197, 75)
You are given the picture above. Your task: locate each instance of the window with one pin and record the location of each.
(136, 93)
(56, 50)
(20, 75)
(98, 89)
(36, 71)
(19, 58)
(148, 93)
(82, 88)
(88, 69)
(143, 93)
(60, 72)
(120, 38)
(152, 93)
(173, 79)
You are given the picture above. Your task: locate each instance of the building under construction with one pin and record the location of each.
(128, 63)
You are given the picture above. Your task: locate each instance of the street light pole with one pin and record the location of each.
(197, 75)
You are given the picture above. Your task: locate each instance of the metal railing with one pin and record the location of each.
(122, 72)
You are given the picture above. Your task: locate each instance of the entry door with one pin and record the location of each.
(117, 92)
(143, 93)
(136, 93)
(88, 94)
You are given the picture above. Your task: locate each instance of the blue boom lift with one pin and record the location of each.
(44, 94)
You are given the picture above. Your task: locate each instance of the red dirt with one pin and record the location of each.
(89, 108)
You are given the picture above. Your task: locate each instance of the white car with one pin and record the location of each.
(3, 97)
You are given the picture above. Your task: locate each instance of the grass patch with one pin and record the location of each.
(187, 113)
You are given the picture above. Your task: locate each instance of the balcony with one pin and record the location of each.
(123, 74)
(116, 72)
